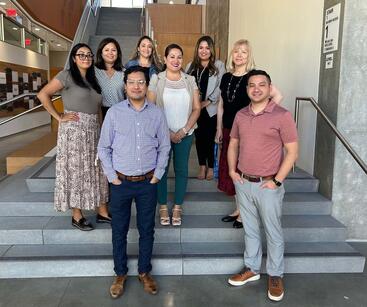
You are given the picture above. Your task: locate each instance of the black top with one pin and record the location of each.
(231, 105)
(201, 78)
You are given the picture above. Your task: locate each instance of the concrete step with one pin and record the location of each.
(127, 44)
(43, 180)
(195, 228)
(117, 21)
(29, 261)
(196, 203)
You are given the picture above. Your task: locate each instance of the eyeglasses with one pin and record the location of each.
(83, 56)
(133, 82)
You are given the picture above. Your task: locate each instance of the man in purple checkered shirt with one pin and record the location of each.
(134, 147)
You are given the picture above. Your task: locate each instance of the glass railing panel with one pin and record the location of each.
(31, 42)
(12, 33)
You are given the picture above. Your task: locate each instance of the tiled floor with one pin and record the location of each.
(14, 142)
(302, 290)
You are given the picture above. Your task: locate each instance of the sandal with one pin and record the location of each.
(176, 216)
(163, 216)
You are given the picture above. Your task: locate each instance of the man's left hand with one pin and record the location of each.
(269, 185)
(154, 180)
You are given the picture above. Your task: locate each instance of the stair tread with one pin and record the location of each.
(230, 249)
(188, 222)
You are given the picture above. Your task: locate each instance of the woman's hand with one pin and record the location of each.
(219, 136)
(70, 116)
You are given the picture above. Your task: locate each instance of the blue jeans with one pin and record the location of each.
(121, 197)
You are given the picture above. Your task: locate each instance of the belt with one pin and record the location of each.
(256, 179)
(148, 175)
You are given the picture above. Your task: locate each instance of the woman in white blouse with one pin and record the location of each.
(178, 95)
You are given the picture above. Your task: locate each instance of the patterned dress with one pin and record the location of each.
(80, 183)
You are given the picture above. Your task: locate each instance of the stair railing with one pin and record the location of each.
(25, 112)
(338, 134)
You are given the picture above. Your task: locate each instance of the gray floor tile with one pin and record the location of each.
(3, 249)
(32, 292)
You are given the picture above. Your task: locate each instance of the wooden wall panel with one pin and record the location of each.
(186, 40)
(60, 15)
(178, 18)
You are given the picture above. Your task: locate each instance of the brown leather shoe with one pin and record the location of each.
(243, 277)
(149, 284)
(117, 287)
(275, 288)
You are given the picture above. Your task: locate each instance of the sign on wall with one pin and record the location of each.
(331, 28)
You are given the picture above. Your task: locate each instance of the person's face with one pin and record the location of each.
(204, 51)
(109, 53)
(258, 88)
(145, 48)
(136, 86)
(174, 60)
(240, 55)
(83, 58)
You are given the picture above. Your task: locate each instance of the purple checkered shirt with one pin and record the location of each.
(134, 142)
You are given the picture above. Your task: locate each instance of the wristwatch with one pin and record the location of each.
(277, 183)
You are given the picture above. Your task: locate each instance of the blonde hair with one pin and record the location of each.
(250, 59)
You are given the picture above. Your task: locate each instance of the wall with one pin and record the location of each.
(349, 181)
(216, 24)
(286, 38)
(60, 15)
(20, 56)
(58, 58)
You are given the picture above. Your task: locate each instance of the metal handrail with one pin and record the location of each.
(342, 139)
(16, 98)
(25, 112)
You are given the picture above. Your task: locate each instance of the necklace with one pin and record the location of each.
(198, 78)
(230, 99)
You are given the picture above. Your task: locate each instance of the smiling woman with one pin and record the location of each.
(177, 94)
(109, 73)
(80, 184)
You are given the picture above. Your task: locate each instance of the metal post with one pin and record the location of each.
(2, 27)
(22, 37)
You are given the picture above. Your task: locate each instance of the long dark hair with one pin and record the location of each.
(154, 58)
(75, 72)
(99, 60)
(196, 62)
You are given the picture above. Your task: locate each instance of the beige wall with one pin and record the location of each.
(286, 38)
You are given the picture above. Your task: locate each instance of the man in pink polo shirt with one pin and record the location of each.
(258, 167)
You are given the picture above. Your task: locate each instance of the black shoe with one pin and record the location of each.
(103, 219)
(82, 224)
(237, 224)
(229, 218)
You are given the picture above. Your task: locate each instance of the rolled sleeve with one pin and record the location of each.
(105, 149)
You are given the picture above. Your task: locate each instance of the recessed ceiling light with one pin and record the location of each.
(58, 45)
(37, 29)
(2, 3)
(14, 28)
(170, 2)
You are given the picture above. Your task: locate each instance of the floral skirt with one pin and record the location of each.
(225, 182)
(80, 183)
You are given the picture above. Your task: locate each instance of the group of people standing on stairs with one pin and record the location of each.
(150, 114)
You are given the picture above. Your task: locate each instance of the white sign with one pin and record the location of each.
(15, 89)
(2, 78)
(329, 60)
(14, 76)
(331, 28)
(25, 77)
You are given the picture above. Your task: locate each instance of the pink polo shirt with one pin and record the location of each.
(262, 137)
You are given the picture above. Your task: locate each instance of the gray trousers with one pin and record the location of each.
(262, 205)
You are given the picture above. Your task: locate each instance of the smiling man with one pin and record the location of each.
(258, 168)
(133, 148)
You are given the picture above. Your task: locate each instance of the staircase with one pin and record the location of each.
(36, 241)
(122, 24)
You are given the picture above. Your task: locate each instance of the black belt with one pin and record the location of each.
(148, 175)
(256, 179)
